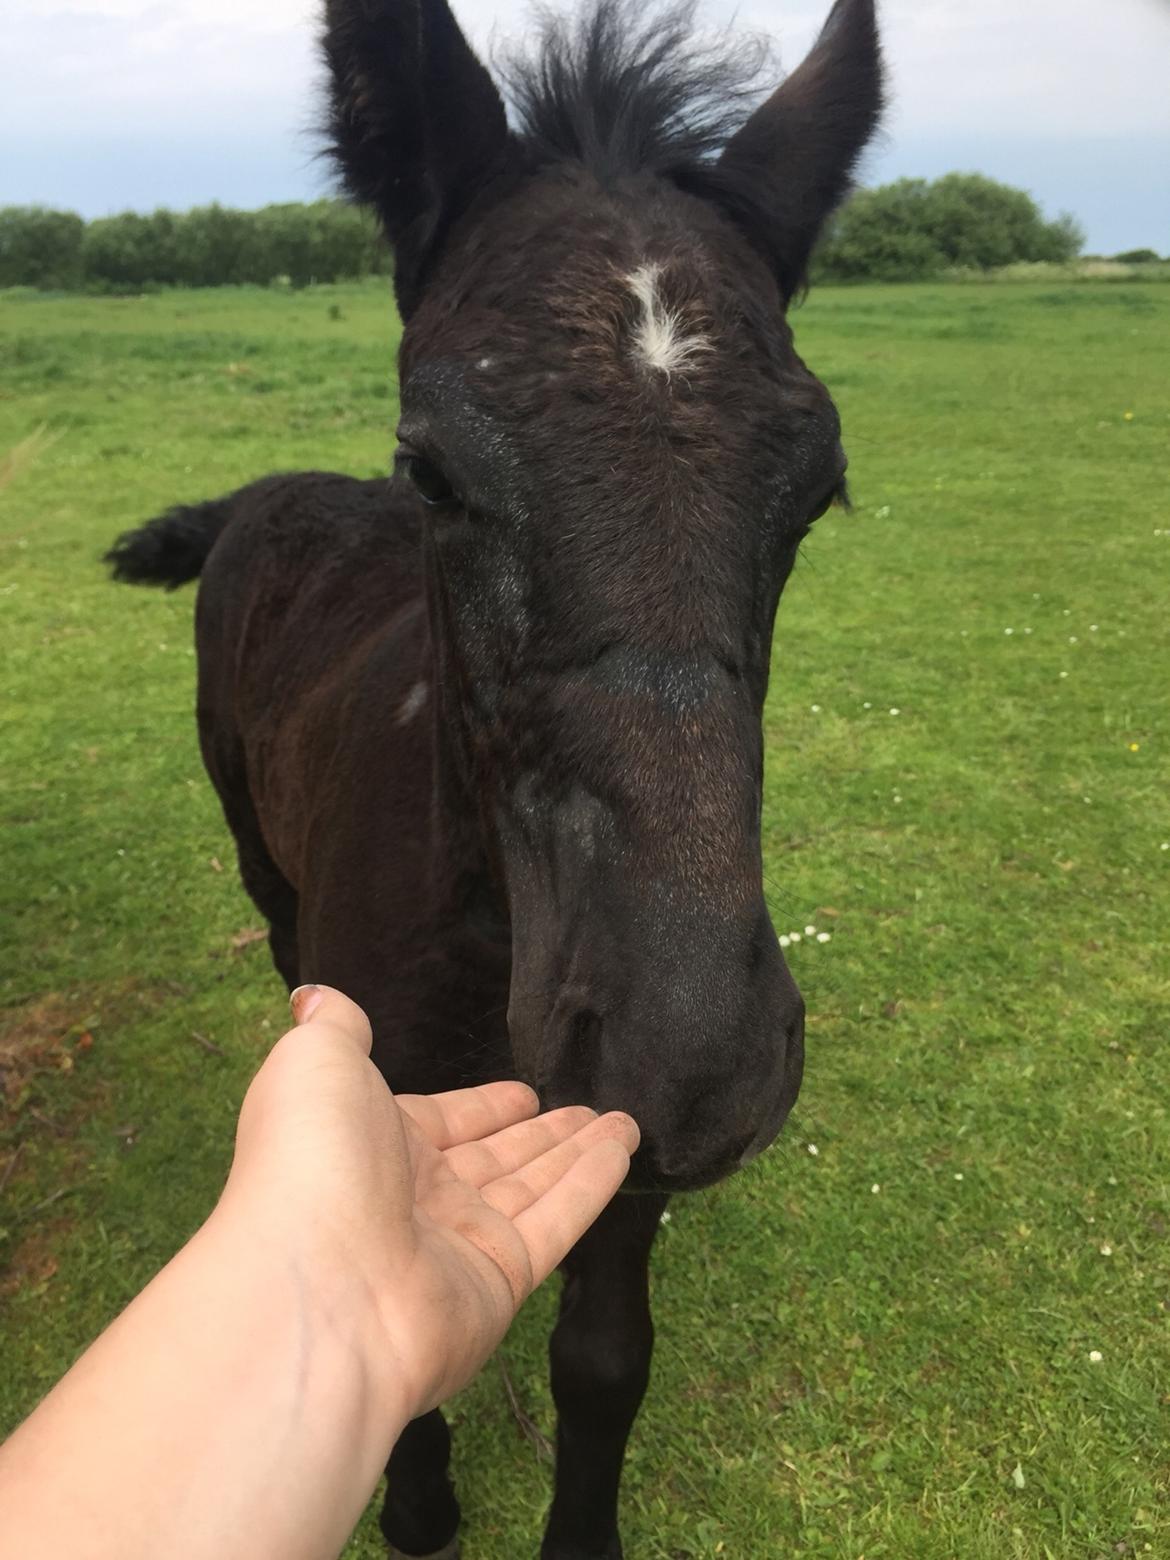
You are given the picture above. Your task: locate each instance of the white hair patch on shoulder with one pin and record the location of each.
(660, 337)
(412, 704)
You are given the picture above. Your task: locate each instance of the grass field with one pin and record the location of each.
(933, 1323)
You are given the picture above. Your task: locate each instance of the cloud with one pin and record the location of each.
(178, 79)
(133, 62)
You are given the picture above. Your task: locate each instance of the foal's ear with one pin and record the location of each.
(794, 158)
(417, 127)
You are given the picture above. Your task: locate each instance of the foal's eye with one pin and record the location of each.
(429, 482)
(837, 494)
(824, 506)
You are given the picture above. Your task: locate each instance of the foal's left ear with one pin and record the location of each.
(794, 158)
(416, 124)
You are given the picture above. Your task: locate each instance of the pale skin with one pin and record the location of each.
(367, 1255)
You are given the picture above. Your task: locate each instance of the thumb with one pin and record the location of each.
(322, 1005)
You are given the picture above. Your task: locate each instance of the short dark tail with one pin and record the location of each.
(172, 549)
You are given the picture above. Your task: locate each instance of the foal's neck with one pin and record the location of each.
(467, 877)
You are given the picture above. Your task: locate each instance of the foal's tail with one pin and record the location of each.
(172, 549)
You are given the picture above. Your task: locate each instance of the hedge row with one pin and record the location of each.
(905, 231)
(323, 241)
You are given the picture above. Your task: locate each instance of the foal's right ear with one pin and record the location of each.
(417, 127)
(795, 156)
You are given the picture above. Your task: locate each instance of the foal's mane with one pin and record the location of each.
(624, 89)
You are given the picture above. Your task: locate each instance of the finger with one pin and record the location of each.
(323, 1007)
(558, 1220)
(503, 1152)
(463, 1115)
(511, 1194)
(330, 1037)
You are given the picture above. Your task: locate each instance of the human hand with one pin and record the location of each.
(416, 1223)
(365, 1258)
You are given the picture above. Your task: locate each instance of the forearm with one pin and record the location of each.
(227, 1412)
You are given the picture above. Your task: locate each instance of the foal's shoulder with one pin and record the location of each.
(354, 532)
(305, 515)
(302, 500)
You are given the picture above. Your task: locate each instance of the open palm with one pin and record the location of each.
(446, 1209)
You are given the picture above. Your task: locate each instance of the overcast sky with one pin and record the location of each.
(114, 104)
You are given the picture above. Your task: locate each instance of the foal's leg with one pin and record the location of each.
(600, 1366)
(276, 900)
(270, 891)
(420, 1515)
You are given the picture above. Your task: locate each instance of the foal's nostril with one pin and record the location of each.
(689, 1173)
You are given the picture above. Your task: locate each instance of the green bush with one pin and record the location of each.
(882, 235)
(323, 242)
(217, 247)
(1138, 257)
(40, 248)
(129, 252)
(913, 229)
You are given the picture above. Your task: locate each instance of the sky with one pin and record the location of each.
(108, 105)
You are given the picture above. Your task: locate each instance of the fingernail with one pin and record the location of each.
(305, 1001)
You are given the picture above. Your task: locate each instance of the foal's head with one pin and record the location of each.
(620, 452)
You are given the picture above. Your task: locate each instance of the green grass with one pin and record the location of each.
(879, 1350)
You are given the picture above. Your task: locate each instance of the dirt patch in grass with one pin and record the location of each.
(41, 1043)
(42, 1038)
(48, 1038)
(46, 1093)
(33, 1262)
(46, 1090)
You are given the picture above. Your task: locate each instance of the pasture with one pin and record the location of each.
(933, 1322)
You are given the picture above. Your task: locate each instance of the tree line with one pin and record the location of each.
(210, 246)
(910, 230)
